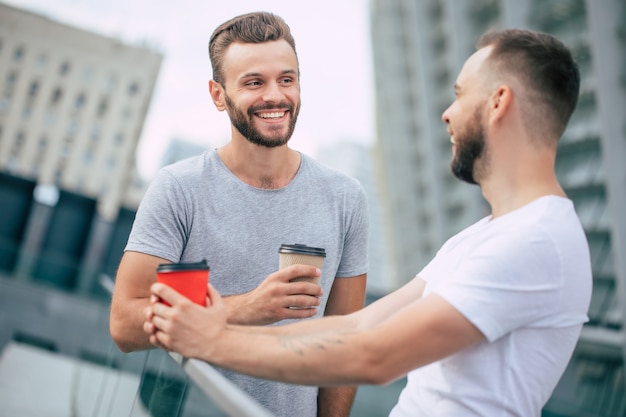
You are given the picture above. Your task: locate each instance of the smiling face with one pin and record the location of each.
(261, 91)
(466, 122)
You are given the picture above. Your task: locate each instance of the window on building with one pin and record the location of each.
(18, 54)
(79, 103)
(33, 89)
(87, 75)
(103, 106)
(18, 143)
(455, 210)
(126, 113)
(80, 184)
(4, 105)
(65, 149)
(42, 146)
(424, 219)
(119, 138)
(10, 84)
(27, 111)
(88, 157)
(42, 61)
(95, 133)
(110, 82)
(49, 118)
(58, 173)
(133, 89)
(428, 248)
(12, 164)
(72, 127)
(64, 69)
(56, 96)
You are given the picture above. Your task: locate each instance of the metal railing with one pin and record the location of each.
(220, 390)
(228, 398)
(56, 354)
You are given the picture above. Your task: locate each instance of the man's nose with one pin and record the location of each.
(272, 93)
(445, 117)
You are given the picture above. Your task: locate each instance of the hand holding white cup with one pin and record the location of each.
(301, 254)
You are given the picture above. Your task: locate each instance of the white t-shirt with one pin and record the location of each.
(524, 279)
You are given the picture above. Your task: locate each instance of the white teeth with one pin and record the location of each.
(275, 115)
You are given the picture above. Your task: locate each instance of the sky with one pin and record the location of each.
(332, 40)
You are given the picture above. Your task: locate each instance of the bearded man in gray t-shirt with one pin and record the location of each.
(234, 206)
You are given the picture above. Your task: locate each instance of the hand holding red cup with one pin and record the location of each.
(189, 279)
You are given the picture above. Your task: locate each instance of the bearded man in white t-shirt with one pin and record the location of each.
(488, 326)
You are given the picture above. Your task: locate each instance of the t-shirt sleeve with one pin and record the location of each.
(511, 281)
(161, 224)
(354, 260)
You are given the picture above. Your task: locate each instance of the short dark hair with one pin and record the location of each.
(544, 65)
(256, 27)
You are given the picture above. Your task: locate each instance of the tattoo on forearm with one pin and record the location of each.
(299, 344)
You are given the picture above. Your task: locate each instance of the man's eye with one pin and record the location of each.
(253, 83)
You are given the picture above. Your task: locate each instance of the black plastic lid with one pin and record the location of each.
(189, 266)
(302, 249)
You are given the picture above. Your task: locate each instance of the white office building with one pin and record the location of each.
(72, 107)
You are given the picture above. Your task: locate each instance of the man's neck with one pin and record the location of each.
(260, 167)
(507, 196)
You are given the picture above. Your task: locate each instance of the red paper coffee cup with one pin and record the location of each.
(189, 279)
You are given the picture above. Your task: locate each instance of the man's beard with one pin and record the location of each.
(469, 147)
(245, 125)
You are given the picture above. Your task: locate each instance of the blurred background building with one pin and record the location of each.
(419, 47)
(72, 107)
(355, 160)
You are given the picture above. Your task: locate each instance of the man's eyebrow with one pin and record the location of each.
(250, 74)
(258, 74)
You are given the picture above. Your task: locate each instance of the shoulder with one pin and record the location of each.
(192, 172)
(331, 177)
(545, 232)
(188, 167)
(551, 216)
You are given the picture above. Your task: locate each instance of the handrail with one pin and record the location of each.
(230, 398)
(227, 396)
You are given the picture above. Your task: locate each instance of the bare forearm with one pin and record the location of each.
(335, 401)
(131, 297)
(305, 327)
(126, 325)
(330, 358)
(242, 311)
(255, 310)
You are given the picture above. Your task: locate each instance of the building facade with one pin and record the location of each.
(357, 160)
(72, 108)
(419, 47)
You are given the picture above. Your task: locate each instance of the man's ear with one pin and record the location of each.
(217, 94)
(500, 102)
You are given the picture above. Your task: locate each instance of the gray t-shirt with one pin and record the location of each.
(198, 209)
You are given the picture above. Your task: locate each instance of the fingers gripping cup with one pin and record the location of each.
(189, 279)
(301, 254)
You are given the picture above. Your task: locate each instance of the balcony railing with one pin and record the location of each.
(74, 368)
